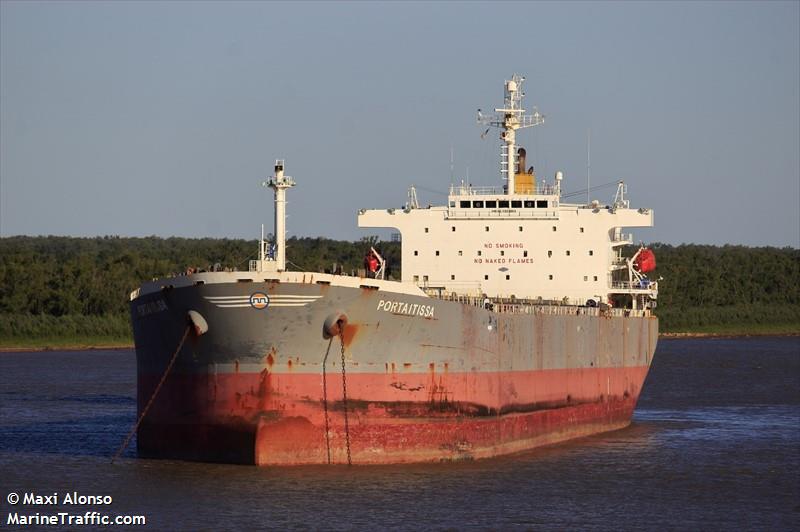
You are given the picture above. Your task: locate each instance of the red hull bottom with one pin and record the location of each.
(295, 440)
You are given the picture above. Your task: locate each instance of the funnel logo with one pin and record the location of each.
(259, 300)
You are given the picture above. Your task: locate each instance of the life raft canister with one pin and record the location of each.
(646, 261)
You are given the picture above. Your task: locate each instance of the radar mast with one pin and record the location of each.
(510, 118)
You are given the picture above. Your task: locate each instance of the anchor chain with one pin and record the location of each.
(153, 396)
(344, 399)
(325, 401)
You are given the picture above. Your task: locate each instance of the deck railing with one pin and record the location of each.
(536, 308)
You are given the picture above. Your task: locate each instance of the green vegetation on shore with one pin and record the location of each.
(71, 330)
(64, 291)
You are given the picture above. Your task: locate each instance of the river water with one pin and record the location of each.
(715, 443)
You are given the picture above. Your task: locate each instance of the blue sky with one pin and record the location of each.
(140, 118)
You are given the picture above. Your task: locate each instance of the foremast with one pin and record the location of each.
(272, 255)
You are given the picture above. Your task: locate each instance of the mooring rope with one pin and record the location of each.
(152, 397)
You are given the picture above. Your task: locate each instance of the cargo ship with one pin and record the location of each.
(518, 321)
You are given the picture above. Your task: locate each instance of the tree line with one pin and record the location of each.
(47, 282)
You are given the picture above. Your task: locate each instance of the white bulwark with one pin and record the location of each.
(519, 240)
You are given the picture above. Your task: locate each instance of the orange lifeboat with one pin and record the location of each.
(645, 261)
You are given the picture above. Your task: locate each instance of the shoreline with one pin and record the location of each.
(78, 347)
(124, 347)
(681, 335)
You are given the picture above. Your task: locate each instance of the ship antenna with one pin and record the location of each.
(451, 165)
(588, 165)
(510, 118)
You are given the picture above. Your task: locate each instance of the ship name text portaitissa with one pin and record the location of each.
(408, 309)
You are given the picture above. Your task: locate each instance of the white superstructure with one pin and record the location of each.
(519, 240)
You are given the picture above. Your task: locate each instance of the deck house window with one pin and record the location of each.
(541, 204)
(478, 204)
(503, 204)
(491, 204)
(516, 204)
(529, 204)
(464, 204)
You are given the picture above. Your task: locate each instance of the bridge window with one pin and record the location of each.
(567, 253)
(416, 278)
(478, 204)
(541, 204)
(452, 277)
(503, 204)
(591, 253)
(485, 277)
(581, 229)
(554, 228)
(595, 277)
(502, 253)
(524, 253)
(529, 204)
(437, 252)
(549, 253)
(585, 277)
(452, 203)
(464, 204)
(520, 228)
(551, 276)
(508, 277)
(487, 228)
(460, 253)
(491, 204)
(425, 278)
(426, 229)
(516, 204)
(416, 252)
(453, 228)
(479, 253)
